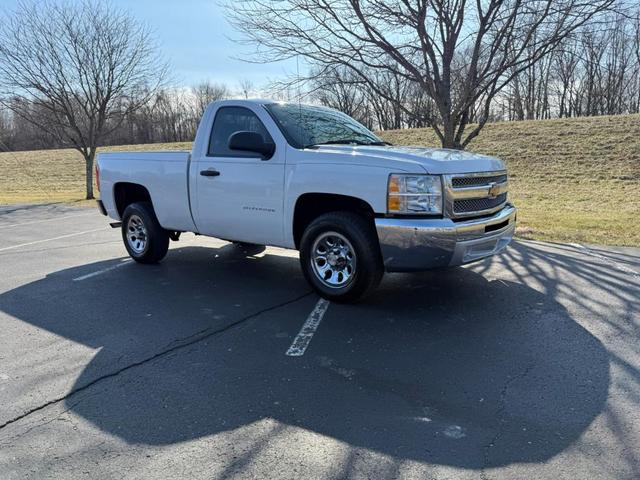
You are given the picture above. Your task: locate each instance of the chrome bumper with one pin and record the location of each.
(420, 244)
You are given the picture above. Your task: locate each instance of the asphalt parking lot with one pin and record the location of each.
(522, 366)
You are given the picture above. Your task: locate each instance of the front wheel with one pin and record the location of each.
(144, 238)
(340, 256)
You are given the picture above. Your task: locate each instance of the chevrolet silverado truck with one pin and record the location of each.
(313, 179)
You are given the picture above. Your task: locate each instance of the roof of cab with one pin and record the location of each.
(245, 101)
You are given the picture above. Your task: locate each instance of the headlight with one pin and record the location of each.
(414, 194)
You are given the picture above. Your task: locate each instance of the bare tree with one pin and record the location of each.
(460, 53)
(76, 70)
(206, 92)
(246, 87)
(340, 89)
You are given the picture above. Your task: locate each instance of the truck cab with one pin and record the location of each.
(313, 179)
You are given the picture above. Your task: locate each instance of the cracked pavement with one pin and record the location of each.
(522, 366)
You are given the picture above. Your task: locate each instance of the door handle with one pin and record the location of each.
(210, 173)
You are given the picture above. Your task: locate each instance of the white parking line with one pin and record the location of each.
(301, 342)
(51, 239)
(619, 266)
(104, 270)
(46, 220)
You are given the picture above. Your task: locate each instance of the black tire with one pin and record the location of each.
(156, 238)
(360, 235)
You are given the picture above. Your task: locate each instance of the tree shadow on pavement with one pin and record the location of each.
(445, 367)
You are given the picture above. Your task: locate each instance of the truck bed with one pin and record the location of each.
(163, 173)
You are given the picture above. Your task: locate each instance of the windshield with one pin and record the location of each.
(307, 126)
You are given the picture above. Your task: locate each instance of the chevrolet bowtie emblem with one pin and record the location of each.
(494, 190)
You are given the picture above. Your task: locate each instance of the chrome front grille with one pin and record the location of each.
(457, 182)
(475, 194)
(478, 204)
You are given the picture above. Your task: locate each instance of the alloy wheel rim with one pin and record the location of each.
(333, 260)
(137, 237)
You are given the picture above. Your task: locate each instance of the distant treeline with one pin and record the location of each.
(171, 115)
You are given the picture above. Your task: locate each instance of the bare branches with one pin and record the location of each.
(461, 54)
(204, 93)
(86, 66)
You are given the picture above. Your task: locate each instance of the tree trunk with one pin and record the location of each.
(88, 160)
(449, 139)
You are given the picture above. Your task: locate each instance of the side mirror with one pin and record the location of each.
(251, 142)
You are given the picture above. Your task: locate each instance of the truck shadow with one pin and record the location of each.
(445, 367)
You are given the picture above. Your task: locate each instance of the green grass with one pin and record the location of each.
(574, 180)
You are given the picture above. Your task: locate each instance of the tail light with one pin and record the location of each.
(97, 177)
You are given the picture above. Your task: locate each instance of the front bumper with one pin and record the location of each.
(421, 244)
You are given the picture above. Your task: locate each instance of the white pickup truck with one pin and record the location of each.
(312, 179)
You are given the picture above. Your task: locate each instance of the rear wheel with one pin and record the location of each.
(143, 237)
(340, 256)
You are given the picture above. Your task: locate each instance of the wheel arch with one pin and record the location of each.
(126, 193)
(310, 206)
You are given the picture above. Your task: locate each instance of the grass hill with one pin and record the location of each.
(573, 180)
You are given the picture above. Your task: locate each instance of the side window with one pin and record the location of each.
(228, 121)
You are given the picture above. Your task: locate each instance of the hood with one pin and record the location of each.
(413, 159)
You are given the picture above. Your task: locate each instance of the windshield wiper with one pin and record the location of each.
(347, 141)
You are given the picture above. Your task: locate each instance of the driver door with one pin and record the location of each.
(239, 193)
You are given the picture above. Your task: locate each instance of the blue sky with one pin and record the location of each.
(194, 36)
